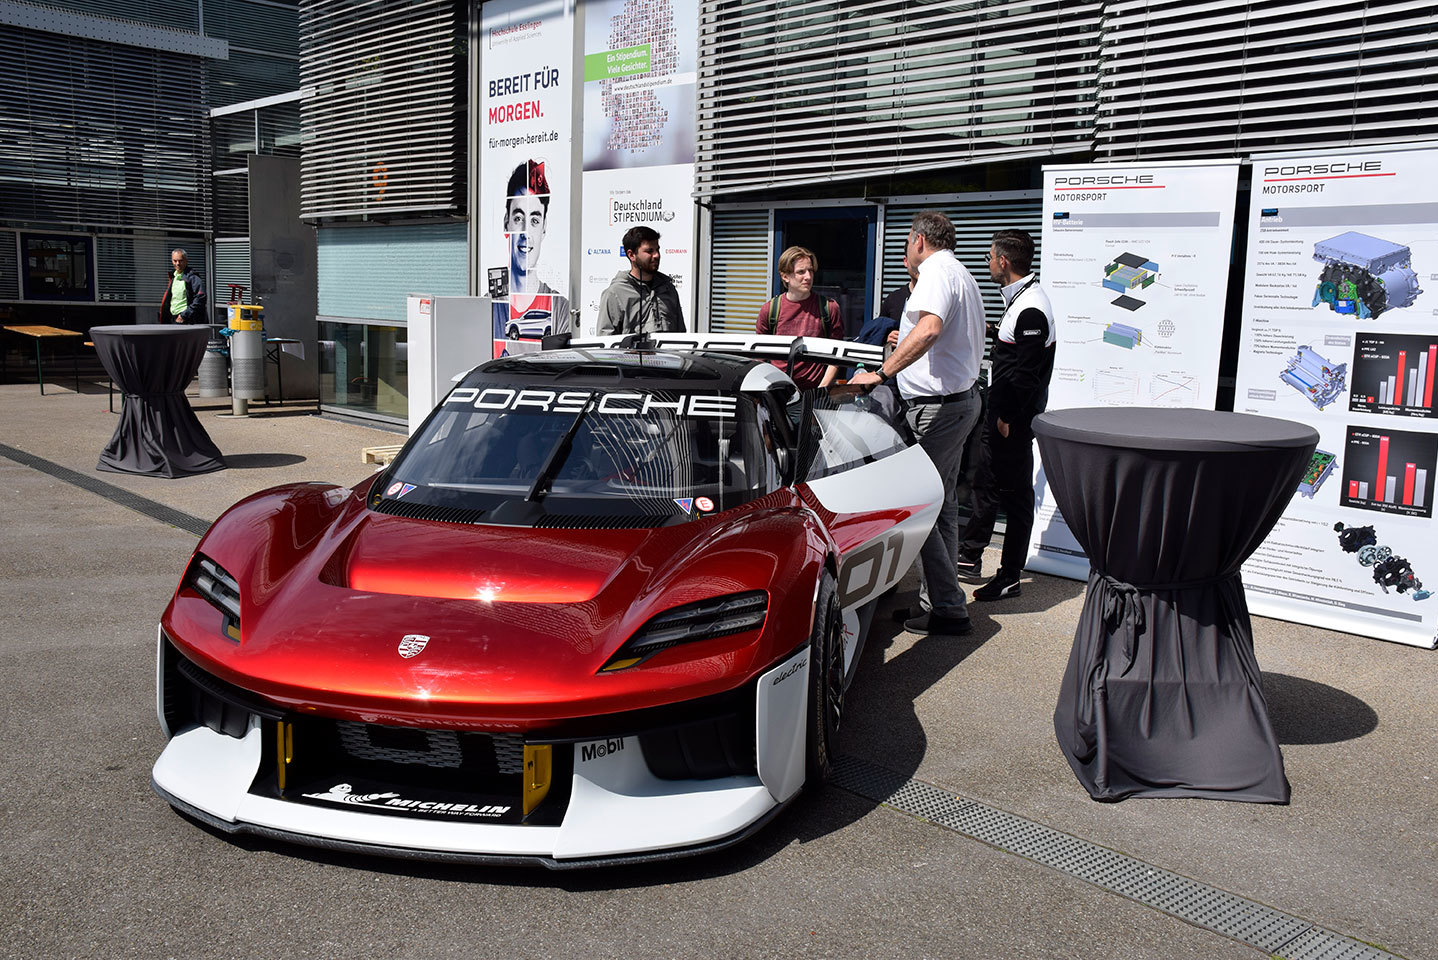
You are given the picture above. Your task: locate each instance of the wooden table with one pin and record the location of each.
(40, 332)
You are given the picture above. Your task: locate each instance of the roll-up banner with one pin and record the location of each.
(640, 68)
(1340, 333)
(526, 97)
(1135, 264)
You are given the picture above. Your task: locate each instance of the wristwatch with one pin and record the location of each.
(883, 377)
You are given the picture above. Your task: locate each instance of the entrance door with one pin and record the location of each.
(843, 239)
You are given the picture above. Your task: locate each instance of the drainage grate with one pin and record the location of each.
(1252, 923)
(151, 509)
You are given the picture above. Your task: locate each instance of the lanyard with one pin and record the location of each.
(1015, 298)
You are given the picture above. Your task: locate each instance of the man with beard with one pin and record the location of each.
(640, 299)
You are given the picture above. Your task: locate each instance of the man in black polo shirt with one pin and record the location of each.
(1023, 362)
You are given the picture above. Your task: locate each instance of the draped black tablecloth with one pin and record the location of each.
(158, 434)
(1162, 695)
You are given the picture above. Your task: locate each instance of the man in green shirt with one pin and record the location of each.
(184, 299)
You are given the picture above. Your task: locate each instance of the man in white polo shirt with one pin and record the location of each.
(936, 364)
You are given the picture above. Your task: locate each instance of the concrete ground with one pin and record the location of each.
(97, 865)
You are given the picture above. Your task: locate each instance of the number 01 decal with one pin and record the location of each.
(862, 573)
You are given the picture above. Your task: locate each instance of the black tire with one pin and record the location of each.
(513, 332)
(826, 684)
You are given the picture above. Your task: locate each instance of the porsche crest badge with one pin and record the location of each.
(412, 644)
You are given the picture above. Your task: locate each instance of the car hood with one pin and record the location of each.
(512, 625)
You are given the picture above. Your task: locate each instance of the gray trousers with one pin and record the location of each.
(942, 430)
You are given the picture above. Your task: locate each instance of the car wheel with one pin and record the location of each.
(546, 331)
(826, 683)
(512, 333)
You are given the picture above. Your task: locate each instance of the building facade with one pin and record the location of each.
(107, 156)
(818, 123)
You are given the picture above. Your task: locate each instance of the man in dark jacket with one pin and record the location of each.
(640, 299)
(184, 299)
(1023, 362)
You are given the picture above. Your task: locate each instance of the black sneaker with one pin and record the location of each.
(932, 623)
(1001, 586)
(970, 567)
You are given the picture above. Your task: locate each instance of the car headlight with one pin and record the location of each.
(220, 590)
(717, 617)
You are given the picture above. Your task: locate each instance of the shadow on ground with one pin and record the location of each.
(1306, 712)
(258, 461)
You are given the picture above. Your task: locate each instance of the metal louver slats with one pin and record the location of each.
(1184, 79)
(136, 269)
(739, 269)
(96, 133)
(384, 131)
(9, 266)
(975, 222)
(232, 265)
(806, 92)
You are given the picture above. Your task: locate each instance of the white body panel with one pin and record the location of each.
(617, 805)
(782, 702)
(907, 480)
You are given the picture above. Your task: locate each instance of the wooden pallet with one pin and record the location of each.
(380, 455)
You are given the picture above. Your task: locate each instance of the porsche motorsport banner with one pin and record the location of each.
(640, 63)
(1135, 263)
(525, 115)
(1340, 333)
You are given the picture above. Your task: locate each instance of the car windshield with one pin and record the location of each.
(620, 451)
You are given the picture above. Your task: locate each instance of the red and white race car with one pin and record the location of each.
(603, 606)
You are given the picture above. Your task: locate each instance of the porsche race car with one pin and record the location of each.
(603, 606)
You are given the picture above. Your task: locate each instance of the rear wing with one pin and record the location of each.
(763, 346)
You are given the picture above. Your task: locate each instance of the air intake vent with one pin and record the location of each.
(424, 511)
(581, 521)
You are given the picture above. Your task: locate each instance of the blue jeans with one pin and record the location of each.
(942, 430)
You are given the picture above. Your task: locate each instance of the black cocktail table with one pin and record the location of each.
(158, 434)
(1162, 696)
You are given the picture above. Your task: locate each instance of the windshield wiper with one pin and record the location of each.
(559, 453)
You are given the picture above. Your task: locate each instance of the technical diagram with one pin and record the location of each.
(1118, 387)
(1129, 273)
(1314, 377)
(1173, 389)
(1388, 570)
(1122, 335)
(1319, 469)
(1364, 275)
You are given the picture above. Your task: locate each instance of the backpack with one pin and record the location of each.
(831, 309)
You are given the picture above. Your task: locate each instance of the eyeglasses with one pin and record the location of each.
(990, 257)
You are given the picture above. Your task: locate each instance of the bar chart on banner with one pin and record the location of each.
(1393, 374)
(1390, 471)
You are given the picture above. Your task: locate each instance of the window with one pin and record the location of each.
(59, 268)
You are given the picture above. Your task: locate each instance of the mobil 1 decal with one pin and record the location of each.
(1134, 259)
(1340, 331)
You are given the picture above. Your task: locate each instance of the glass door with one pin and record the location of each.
(843, 239)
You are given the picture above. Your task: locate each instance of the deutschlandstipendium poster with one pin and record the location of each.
(640, 69)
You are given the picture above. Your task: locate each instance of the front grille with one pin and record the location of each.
(405, 771)
(439, 749)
